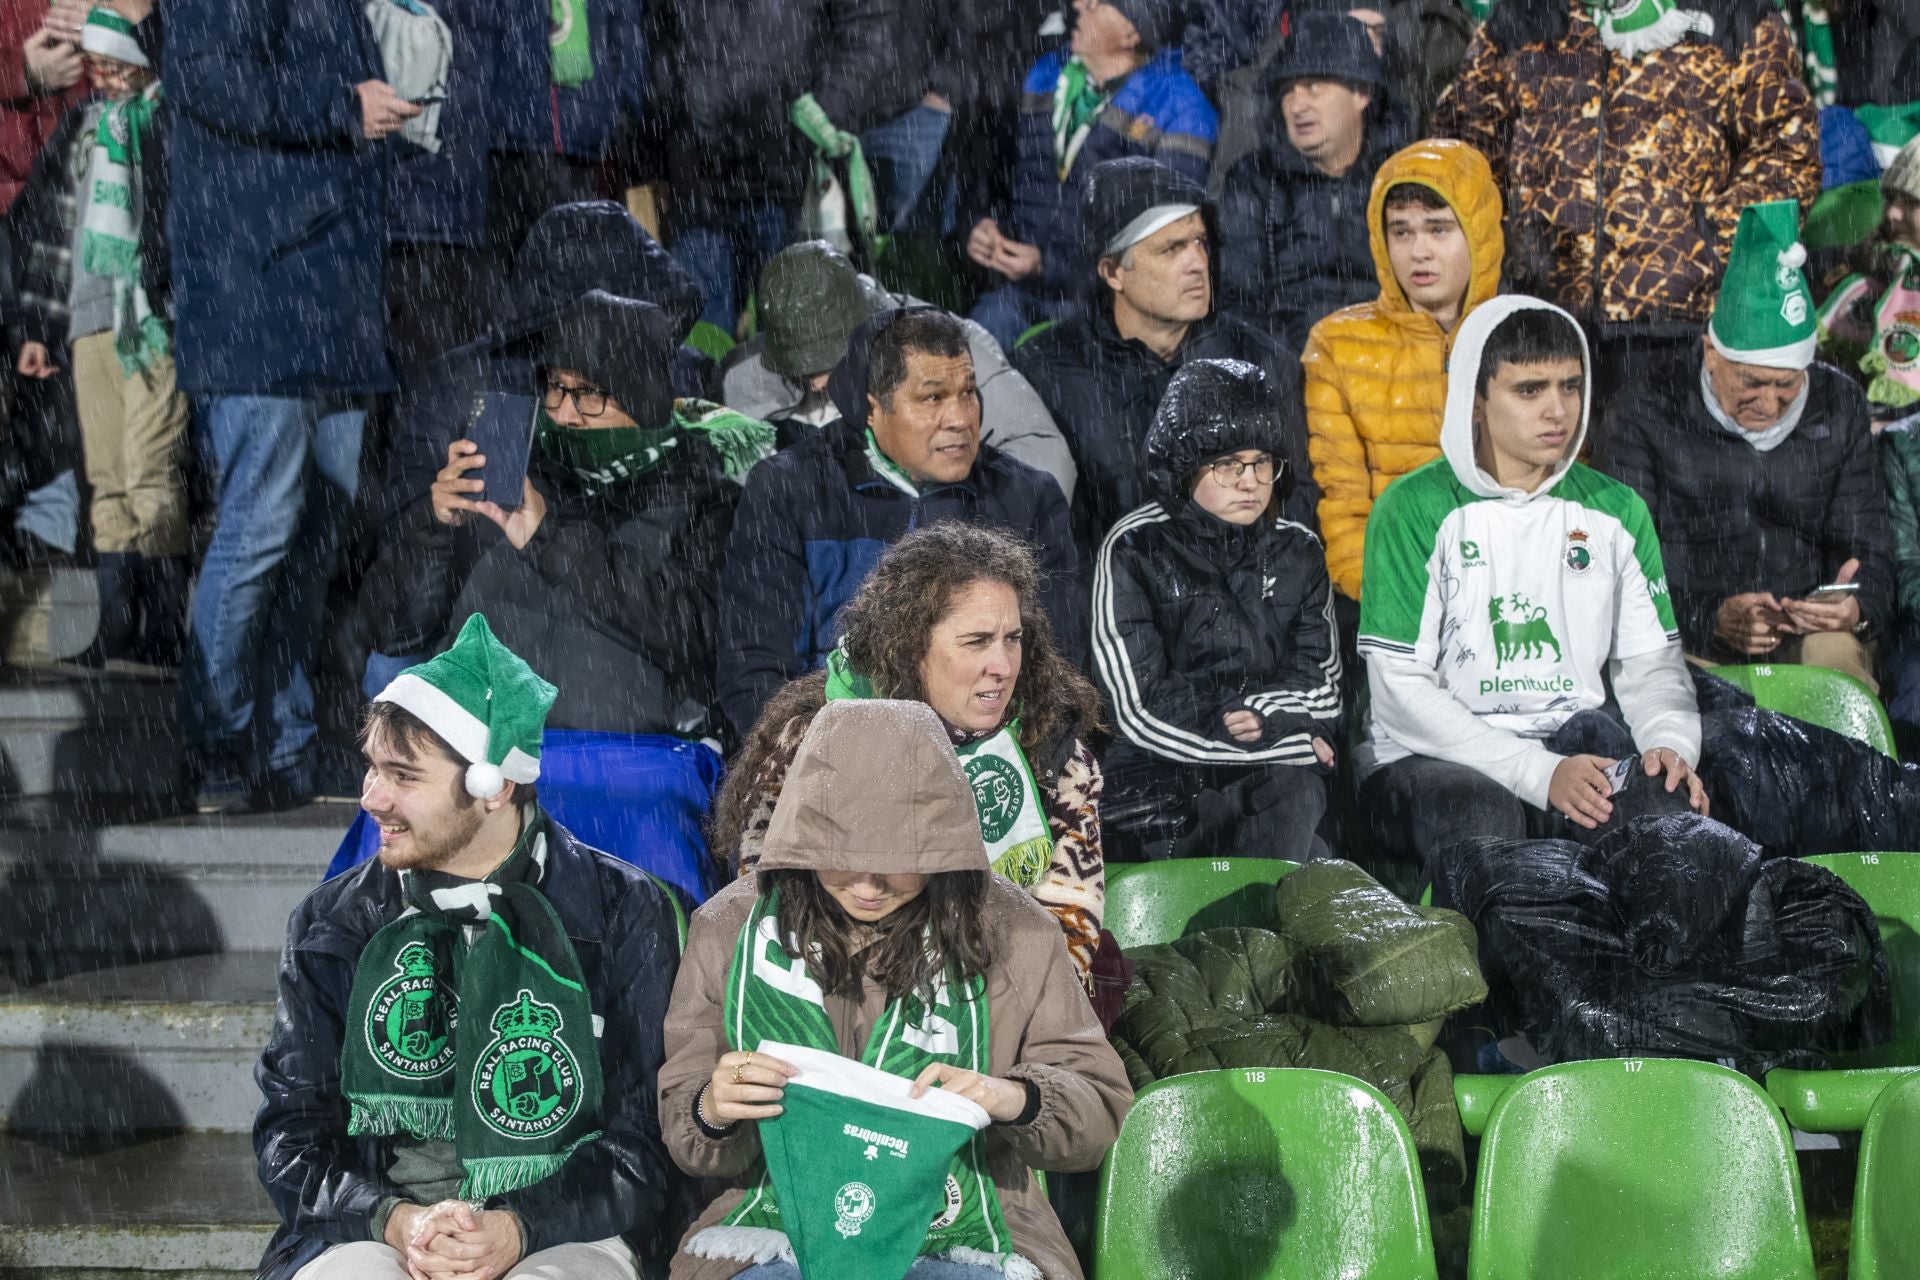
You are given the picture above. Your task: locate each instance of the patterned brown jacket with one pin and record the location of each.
(1624, 178)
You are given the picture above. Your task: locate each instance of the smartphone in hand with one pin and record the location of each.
(1833, 592)
(501, 423)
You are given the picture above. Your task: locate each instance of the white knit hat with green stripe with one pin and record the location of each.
(111, 36)
(1765, 312)
(485, 701)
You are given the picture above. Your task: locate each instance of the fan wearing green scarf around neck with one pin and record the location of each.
(461, 1065)
(874, 1039)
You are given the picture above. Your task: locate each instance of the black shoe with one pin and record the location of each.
(277, 794)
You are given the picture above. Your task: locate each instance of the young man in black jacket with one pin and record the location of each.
(1213, 636)
(463, 1062)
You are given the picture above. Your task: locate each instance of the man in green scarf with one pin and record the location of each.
(463, 1061)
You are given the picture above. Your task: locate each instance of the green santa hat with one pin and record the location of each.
(485, 701)
(1765, 313)
(111, 36)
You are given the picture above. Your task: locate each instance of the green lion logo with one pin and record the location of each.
(997, 794)
(528, 1083)
(1520, 630)
(409, 1026)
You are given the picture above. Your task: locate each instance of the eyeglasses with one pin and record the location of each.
(1228, 470)
(590, 401)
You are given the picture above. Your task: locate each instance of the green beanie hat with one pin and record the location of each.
(811, 300)
(1765, 312)
(111, 36)
(485, 701)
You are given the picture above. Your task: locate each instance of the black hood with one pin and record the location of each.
(1213, 407)
(1117, 192)
(623, 346)
(597, 244)
(847, 384)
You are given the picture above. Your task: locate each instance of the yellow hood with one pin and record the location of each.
(1460, 176)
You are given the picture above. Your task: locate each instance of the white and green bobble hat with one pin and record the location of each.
(1765, 313)
(111, 36)
(485, 701)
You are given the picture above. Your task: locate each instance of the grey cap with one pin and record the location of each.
(811, 300)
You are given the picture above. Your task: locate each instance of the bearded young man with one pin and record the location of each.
(461, 1076)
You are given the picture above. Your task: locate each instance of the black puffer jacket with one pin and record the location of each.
(1103, 389)
(1194, 617)
(1294, 242)
(1732, 519)
(325, 1185)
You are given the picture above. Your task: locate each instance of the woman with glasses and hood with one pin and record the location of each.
(1214, 638)
(1508, 586)
(873, 1040)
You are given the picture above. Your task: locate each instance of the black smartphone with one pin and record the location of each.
(501, 423)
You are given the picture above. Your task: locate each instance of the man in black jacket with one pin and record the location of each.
(1293, 213)
(1150, 249)
(402, 1131)
(1761, 474)
(905, 453)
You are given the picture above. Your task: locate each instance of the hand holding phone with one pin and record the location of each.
(1833, 592)
(501, 423)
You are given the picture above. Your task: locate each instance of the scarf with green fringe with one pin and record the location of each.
(772, 998)
(519, 1088)
(1634, 27)
(110, 232)
(600, 457)
(1012, 822)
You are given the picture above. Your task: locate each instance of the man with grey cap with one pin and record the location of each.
(1151, 280)
(811, 300)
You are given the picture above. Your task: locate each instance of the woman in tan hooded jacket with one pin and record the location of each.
(878, 820)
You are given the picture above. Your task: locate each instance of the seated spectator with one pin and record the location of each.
(1508, 586)
(1376, 373)
(1860, 320)
(99, 306)
(811, 299)
(572, 249)
(1150, 251)
(1117, 91)
(1669, 117)
(1761, 474)
(1293, 246)
(384, 1150)
(815, 518)
(951, 616)
(873, 907)
(1213, 636)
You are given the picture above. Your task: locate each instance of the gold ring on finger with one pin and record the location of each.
(738, 1067)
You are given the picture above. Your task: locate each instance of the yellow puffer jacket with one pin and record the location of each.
(1376, 379)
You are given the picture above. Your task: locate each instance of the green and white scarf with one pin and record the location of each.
(854, 1171)
(110, 232)
(1077, 103)
(571, 35)
(469, 1023)
(1012, 822)
(888, 469)
(1634, 27)
(601, 457)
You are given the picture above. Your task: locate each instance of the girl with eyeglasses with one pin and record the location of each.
(1214, 638)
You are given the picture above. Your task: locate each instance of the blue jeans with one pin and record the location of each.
(724, 257)
(51, 513)
(903, 154)
(1009, 311)
(286, 472)
(924, 1269)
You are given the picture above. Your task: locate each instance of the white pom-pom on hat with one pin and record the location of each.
(485, 781)
(1794, 255)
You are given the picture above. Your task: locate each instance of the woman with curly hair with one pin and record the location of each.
(951, 617)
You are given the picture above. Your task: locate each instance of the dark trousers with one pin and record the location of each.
(1153, 809)
(1419, 806)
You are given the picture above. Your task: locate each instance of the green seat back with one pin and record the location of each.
(1890, 882)
(1886, 1244)
(1262, 1175)
(1655, 1169)
(1152, 902)
(1829, 699)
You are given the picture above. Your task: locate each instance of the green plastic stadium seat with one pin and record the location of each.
(1476, 1096)
(1153, 902)
(1262, 1175)
(1840, 1100)
(1654, 1169)
(1818, 696)
(1885, 1244)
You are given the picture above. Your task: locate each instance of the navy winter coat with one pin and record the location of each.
(278, 220)
(532, 114)
(441, 197)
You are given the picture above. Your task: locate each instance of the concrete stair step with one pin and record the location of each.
(185, 1207)
(92, 736)
(137, 1049)
(85, 890)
